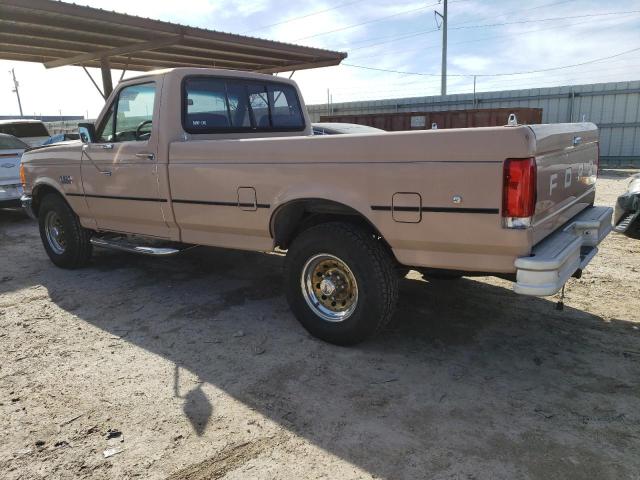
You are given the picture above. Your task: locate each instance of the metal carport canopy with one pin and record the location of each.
(58, 33)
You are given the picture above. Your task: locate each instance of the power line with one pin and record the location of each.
(476, 40)
(457, 90)
(395, 39)
(293, 19)
(493, 74)
(431, 82)
(520, 10)
(543, 20)
(460, 27)
(420, 32)
(432, 85)
(379, 19)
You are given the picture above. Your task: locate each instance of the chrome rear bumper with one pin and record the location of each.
(554, 260)
(27, 205)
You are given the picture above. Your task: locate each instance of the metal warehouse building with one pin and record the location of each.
(614, 107)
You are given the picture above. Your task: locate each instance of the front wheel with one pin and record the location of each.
(64, 239)
(341, 282)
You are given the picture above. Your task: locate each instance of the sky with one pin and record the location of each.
(388, 44)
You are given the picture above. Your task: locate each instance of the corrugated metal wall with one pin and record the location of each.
(614, 107)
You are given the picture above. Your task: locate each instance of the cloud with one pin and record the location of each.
(481, 51)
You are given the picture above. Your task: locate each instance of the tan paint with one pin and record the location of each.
(359, 171)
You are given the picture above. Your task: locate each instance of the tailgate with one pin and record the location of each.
(10, 166)
(567, 163)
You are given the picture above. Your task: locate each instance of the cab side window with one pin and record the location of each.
(105, 131)
(130, 117)
(134, 113)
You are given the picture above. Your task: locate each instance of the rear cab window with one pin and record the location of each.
(217, 105)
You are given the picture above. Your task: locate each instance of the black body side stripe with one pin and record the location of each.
(164, 200)
(221, 204)
(112, 197)
(387, 208)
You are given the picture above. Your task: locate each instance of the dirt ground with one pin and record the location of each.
(198, 363)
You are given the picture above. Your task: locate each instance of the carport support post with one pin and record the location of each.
(107, 82)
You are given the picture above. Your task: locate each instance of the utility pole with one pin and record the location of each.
(328, 102)
(15, 89)
(445, 18)
(474, 91)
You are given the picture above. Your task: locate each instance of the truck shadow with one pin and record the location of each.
(468, 374)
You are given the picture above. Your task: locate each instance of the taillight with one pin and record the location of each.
(518, 192)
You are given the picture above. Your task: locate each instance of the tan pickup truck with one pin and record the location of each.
(222, 158)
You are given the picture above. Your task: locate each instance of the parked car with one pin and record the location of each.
(194, 156)
(33, 132)
(61, 137)
(11, 149)
(627, 211)
(335, 128)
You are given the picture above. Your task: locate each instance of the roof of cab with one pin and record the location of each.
(207, 71)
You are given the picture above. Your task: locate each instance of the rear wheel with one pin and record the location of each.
(341, 282)
(64, 239)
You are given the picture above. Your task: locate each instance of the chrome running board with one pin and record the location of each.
(125, 246)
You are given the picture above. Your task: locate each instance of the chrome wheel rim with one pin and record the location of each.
(54, 232)
(329, 287)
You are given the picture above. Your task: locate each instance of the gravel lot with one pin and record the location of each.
(197, 369)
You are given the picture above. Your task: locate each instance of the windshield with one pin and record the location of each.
(8, 142)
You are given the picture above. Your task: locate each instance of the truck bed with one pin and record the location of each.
(404, 183)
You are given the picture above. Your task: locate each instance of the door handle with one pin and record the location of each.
(107, 146)
(148, 156)
(105, 172)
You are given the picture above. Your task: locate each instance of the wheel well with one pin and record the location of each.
(39, 192)
(292, 218)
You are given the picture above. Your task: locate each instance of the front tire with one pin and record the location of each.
(341, 282)
(65, 240)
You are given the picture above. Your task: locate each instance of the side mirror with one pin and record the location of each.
(87, 132)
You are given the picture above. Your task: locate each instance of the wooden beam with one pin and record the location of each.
(107, 81)
(110, 52)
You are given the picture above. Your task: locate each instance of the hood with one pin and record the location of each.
(54, 145)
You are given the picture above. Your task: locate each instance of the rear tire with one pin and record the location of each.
(340, 282)
(64, 239)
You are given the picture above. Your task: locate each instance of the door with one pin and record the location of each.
(119, 170)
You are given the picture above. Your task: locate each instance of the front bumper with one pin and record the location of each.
(559, 256)
(27, 204)
(10, 192)
(10, 195)
(15, 203)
